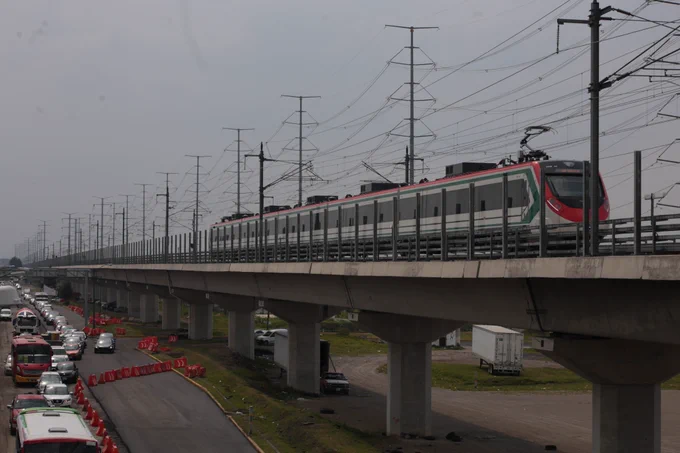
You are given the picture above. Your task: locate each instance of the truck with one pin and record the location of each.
(499, 348)
(281, 352)
(451, 339)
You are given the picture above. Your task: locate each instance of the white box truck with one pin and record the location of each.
(499, 348)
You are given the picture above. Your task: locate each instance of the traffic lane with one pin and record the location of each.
(161, 412)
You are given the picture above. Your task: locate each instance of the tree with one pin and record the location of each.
(16, 262)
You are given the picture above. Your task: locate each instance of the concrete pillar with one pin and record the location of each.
(170, 314)
(241, 312)
(110, 295)
(241, 333)
(133, 304)
(200, 321)
(121, 298)
(148, 306)
(626, 377)
(409, 367)
(304, 344)
(409, 396)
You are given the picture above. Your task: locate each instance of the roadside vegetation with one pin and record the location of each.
(355, 344)
(278, 424)
(470, 377)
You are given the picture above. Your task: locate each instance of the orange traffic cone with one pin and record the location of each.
(106, 441)
(101, 429)
(86, 405)
(90, 413)
(102, 379)
(114, 448)
(81, 399)
(92, 380)
(95, 419)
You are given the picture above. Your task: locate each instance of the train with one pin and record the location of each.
(381, 201)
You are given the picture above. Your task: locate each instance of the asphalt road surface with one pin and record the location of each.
(159, 413)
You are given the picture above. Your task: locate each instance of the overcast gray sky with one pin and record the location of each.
(97, 96)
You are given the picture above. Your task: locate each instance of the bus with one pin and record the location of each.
(30, 357)
(54, 430)
(25, 321)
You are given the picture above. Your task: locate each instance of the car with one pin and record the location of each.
(82, 336)
(259, 332)
(65, 331)
(59, 355)
(334, 383)
(73, 350)
(21, 402)
(68, 371)
(108, 335)
(48, 377)
(104, 344)
(8, 365)
(268, 338)
(50, 318)
(57, 395)
(5, 314)
(74, 340)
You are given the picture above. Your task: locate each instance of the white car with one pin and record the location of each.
(59, 355)
(47, 378)
(269, 337)
(57, 395)
(5, 314)
(8, 365)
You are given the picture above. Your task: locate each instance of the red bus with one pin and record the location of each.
(30, 357)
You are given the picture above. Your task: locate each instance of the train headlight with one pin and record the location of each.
(556, 205)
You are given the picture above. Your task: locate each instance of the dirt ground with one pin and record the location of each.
(488, 422)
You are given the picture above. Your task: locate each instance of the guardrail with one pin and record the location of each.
(657, 235)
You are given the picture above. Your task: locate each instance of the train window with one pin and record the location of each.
(284, 230)
(382, 217)
(351, 221)
(365, 220)
(333, 217)
(509, 202)
(292, 229)
(517, 191)
(482, 205)
(407, 206)
(366, 212)
(317, 222)
(303, 227)
(337, 223)
(458, 200)
(436, 211)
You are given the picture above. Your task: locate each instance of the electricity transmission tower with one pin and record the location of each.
(238, 164)
(166, 241)
(300, 138)
(411, 99)
(196, 208)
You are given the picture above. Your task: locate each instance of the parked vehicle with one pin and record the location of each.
(334, 383)
(68, 371)
(71, 435)
(5, 314)
(499, 348)
(21, 402)
(57, 395)
(268, 338)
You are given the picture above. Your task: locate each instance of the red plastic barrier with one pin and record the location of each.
(157, 368)
(126, 373)
(153, 347)
(86, 330)
(102, 378)
(119, 374)
(142, 344)
(164, 349)
(135, 371)
(172, 338)
(120, 331)
(92, 380)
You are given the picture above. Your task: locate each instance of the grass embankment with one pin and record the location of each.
(278, 425)
(354, 344)
(462, 377)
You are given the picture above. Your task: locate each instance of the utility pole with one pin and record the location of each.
(238, 163)
(198, 186)
(166, 242)
(126, 237)
(68, 239)
(143, 209)
(412, 100)
(101, 222)
(300, 138)
(44, 240)
(594, 21)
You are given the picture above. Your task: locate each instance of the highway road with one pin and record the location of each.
(161, 413)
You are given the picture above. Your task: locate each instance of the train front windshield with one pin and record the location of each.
(568, 189)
